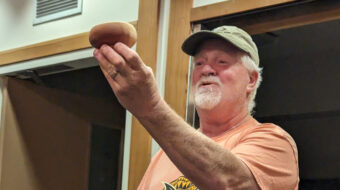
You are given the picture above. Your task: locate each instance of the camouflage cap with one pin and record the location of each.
(232, 34)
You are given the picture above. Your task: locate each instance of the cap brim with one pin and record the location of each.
(191, 44)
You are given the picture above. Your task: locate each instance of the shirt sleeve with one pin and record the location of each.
(271, 155)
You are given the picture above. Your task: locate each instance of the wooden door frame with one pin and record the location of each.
(177, 71)
(182, 16)
(141, 141)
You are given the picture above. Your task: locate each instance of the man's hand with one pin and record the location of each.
(135, 87)
(130, 79)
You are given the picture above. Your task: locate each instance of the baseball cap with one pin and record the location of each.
(232, 34)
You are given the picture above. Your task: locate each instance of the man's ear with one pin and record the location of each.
(253, 77)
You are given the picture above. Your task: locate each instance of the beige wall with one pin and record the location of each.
(17, 29)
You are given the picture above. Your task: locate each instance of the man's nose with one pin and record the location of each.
(208, 70)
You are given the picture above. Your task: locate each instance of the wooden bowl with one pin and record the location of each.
(111, 33)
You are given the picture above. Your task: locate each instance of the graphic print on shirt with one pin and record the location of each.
(181, 183)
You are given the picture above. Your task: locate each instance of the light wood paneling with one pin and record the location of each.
(147, 32)
(231, 7)
(177, 61)
(51, 47)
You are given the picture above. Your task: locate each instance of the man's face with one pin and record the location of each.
(219, 78)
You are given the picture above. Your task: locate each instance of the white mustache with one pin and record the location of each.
(207, 98)
(210, 79)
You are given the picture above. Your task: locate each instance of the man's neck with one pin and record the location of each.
(212, 127)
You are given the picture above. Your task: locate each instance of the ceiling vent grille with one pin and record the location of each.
(47, 10)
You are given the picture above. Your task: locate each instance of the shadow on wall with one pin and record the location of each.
(19, 7)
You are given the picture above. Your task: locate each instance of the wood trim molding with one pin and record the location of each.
(230, 7)
(140, 149)
(4, 84)
(312, 13)
(52, 47)
(177, 68)
(43, 49)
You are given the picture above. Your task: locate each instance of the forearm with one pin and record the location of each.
(207, 164)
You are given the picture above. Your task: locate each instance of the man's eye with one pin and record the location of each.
(198, 63)
(222, 62)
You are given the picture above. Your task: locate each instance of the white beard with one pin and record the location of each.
(207, 97)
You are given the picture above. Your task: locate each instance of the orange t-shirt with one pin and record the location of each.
(269, 152)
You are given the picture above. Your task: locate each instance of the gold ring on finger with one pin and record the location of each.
(112, 72)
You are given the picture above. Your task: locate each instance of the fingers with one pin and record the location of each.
(117, 60)
(113, 76)
(104, 63)
(131, 57)
(114, 85)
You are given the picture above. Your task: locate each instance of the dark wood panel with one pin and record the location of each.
(230, 7)
(44, 146)
(294, 14)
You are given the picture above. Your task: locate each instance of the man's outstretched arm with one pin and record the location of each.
(205, 163)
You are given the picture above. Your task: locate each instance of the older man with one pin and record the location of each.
(230, 150)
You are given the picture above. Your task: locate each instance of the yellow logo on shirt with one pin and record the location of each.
(181, 183)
